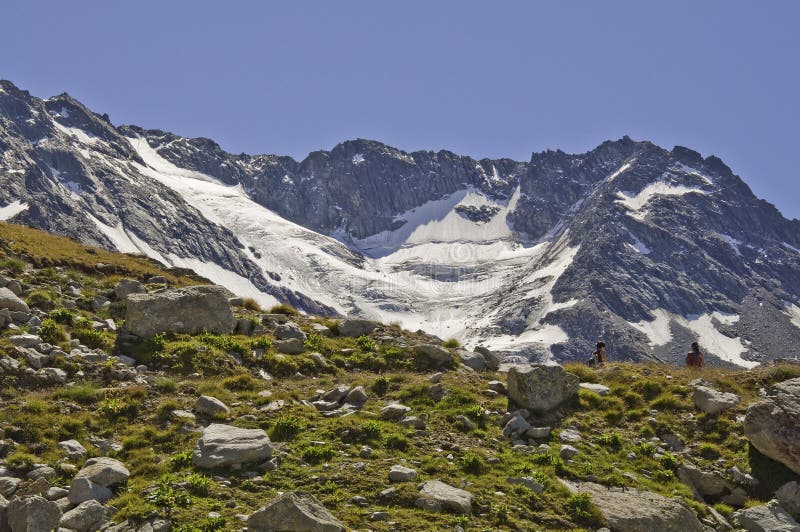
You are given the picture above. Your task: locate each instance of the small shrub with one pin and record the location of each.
(610, 439)
(41, 299)
(83, 394)
(288, 310)
(199, 484)
(649, 388)
(261, 343)
(646, 448)
(251, 304)
(91, 338)
(452, 343)
(397, 442)
(165, 385)
(365, 343)
(315, 454)
(709, 451)
(667, 402)
(181, 460)
(668, 461)
(287, 427)
(372, 430)
(380, 386)
(471, 462)
(240, 383)
(12, 265)
(724, 510)
(21, 462)
(52, 332)
(115, 409)
(63, 316)
(580, 506)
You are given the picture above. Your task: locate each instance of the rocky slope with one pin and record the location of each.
(132, 400)
(645, 247)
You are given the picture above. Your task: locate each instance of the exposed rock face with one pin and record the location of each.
(225, 445)
(33, 514)
(104, 471)
(710, 486)
(9, 300)
(294, 511)
(540, 388)
(766, 518)
(437, 496)
(639, 511)
(712, 401)
(788, 496)
(773, 425)
(187, 310)
(356, 327)
(84, 517)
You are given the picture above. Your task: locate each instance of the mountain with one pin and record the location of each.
(644, 247)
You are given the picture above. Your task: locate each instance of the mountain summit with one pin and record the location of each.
(646, 248)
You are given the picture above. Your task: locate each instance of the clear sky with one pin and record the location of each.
(480, 78)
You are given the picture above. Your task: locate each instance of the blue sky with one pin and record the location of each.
(488, 79)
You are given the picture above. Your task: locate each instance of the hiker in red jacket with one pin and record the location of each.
(694, 358)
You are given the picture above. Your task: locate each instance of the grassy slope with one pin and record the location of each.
(645, 401)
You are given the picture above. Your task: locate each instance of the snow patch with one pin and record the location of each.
(638, 246)
(117, 235)
(358, 158)
(619, 170)
(635, 202)
(657, 331)
(793, 311)
(79, 134)
(732, 242)
(12, 209)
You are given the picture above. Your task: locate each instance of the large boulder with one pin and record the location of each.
(210, 406)
(712, 401)
(86, 516)
(492, 360)
(33, 514)
(472, 359)
(630, 510)
(9, 300)
(293, 511)
(126, 287)
(225, 445)
(104, 471)
(768, 517)
(437, 496)
(83, 489)
(788, 496)
(433, 356)
(356, 327)
(773, 425)
(710, 486)
(539, 387)
(187, 310)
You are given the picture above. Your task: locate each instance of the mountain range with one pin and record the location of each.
(646, 248)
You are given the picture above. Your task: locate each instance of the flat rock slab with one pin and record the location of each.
(225, 445)
(104, 471)
(294, 511)
(766, 518)
(437, 496)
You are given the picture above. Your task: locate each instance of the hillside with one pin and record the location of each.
(79, 385)
(647, 247)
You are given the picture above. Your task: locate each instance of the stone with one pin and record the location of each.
(293, 511)
(437, 496)
(567, 452)
(292, 346)
(712, 401)
(126, 287)
(570, 436)
(394, 412)
(88, 515)
(497, 386)
(289, 330)
(318, 328)
(10, 301)
(33, 514)
(356, 396)
(104, 471)
(8, 485)
(768, 517)
(28, 341)
(433, 356)
(55, 375)
(491, 359)
(472, 359)
(516, 425)
(773, 425)
(83, 489)
(599, 389)
(55, 493)
(210, 406)
(73, 448)
(540, 388)
(188, 310)
(400, 473)
(788, 496)
(705, 485)
(225, 445)
(356, 327)
(630, 510)
(528, 482)
(183, 417)
(538, 432)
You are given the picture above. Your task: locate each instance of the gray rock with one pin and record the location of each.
(225, 445)
(788, 496)
(394, 412)
(497, 386)
(400, 473)
(187, 310)
(437, 496)
(540, 388)
(73, 448)
(515, 426)
(599, 389)
(356, 396)
(433, 356)
(10, 301)
(529, 482)
(8, 485)
(293, 511)
(29, 341)
(706, 485)
(491, 359)
(631, 510)
(318, 328)
(769, 517)
(104, 471)
(33, 514)
(356, 327)
(538, 432)
(126, 287)
(55, 493)
(289, 330)
(712, 401)
(88, 515)
(210, 406)
(773, 425)
(567, 452)
(183, 417)
(570, 436)
(292, 346)
(472, 359)
(55, 375)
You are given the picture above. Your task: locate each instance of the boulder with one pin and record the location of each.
(437, 496)
(225, 445)
(433, 356)
(293, 511)
(710, 486)
(394, 412)
(773, 425)
(292, 346)
(187, 310)
(210, 406)
(73, 448)
(289, 330)
(33, 514)
(712, 401)
(104, 471)
(492, 360)
(599, 389)
(630, 510)
(8, 485)
(83, 489)
(540, 388)
(28, 341)
(126, 287)
(788, 496)
(10, 301)
(400, 473)
(472, 359)
(768, 517)
(88, 515)
(356, 327)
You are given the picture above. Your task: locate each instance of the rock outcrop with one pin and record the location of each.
(540, 388)
(773, 425)
(225, 445)
(293, 511)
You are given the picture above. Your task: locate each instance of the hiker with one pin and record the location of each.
(694, 358)
(599, 356)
